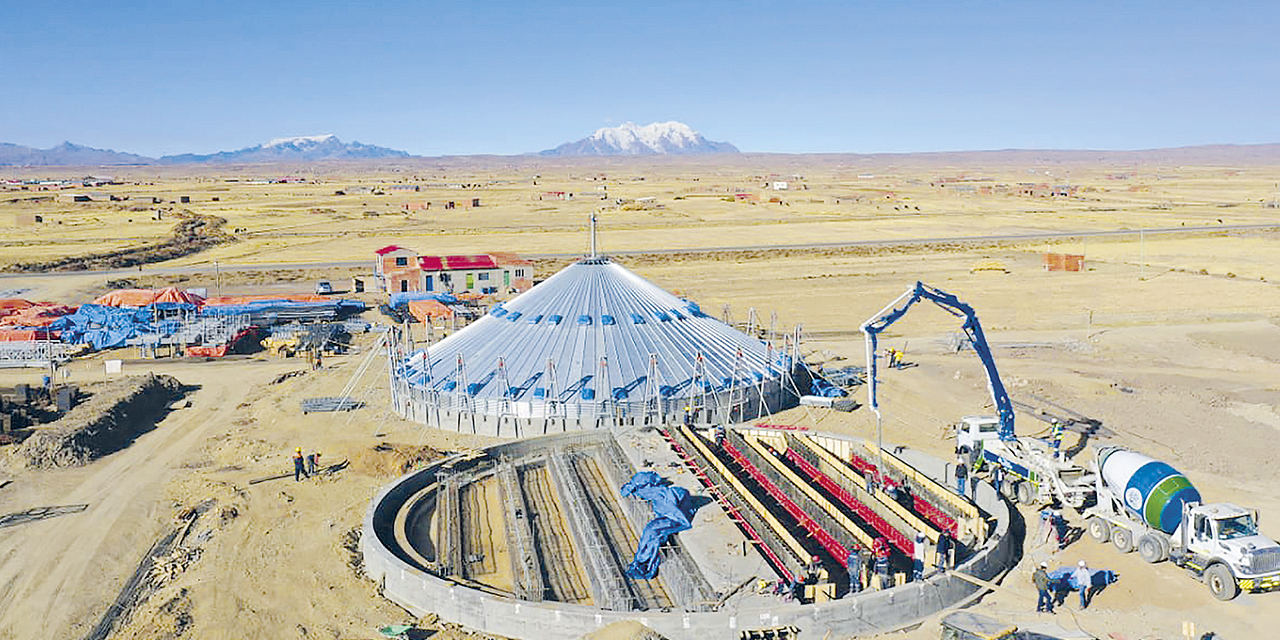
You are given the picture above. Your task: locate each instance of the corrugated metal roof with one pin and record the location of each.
(470, 262)
(390, 249)
(598, 324)
(431, 263)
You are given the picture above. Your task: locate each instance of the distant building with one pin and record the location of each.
(399, 269)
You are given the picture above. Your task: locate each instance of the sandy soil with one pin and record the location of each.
(1170, 342)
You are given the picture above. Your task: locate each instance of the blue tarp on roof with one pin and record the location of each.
(103, 327)
(672, 514)
(404, 297)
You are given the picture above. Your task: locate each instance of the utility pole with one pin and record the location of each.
(218, 271)
(1142, 255)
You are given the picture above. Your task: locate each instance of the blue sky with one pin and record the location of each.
(438, 78)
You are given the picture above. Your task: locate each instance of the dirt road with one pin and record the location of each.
(58, 575)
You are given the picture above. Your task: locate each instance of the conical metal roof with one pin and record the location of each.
(593, 332)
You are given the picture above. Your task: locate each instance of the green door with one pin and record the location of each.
(506, 278)
(471, 281)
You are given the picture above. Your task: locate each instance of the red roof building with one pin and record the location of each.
(400, 269)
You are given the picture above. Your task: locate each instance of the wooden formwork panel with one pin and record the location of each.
(971, 520)
(840, 473)
(796, 552)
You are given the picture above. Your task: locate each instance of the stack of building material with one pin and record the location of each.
(425, 310)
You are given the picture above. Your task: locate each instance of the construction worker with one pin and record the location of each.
(299, 465)
(1060, 529)
(688, 417)
(813, 570)
(720, 435)
(962, 473)
(895, 359)
(854, 564)
(997, 476)
(944, 547)
(881, 549)
(1044, 600)
(1046, 524)
(1083, 578)
(313, 461)
(1056, 438)
(917, 557)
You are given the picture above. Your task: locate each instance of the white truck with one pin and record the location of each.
(1145, 504)
(1033, 475)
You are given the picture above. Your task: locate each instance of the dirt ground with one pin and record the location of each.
(1172, 342)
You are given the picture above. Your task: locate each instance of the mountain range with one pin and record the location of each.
(302, 148)
(630, 139)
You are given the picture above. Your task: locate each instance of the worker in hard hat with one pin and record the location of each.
(299, 465)
(1044, 600)
(1060, 529)
(1083, 578)
(1056, 438)
(917, 557)
(854, 563)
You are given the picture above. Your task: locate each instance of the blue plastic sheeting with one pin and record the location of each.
(672, 514)
(404, 297)
(1063, 578)
(822, 388)
(103, 327)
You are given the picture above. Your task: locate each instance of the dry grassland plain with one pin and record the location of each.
(1168, 337)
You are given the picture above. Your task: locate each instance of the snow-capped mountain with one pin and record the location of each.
(630, 139)
(324, 147)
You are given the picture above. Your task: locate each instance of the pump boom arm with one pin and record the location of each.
(972, 329)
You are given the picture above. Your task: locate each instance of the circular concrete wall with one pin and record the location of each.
(404, 581)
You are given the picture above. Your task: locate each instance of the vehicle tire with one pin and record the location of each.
(1122, 539)
(1221, 583)
(1023, 490)
(1150, 549)
(1100, 529)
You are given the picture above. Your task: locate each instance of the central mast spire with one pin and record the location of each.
(593, 235)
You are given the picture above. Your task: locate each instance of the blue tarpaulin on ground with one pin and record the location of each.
(820, 387)
(672, 514)
(1063, 578)
(403, 298)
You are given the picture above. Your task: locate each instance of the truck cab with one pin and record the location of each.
(1221, 543)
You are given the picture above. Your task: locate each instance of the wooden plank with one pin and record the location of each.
(799, 552)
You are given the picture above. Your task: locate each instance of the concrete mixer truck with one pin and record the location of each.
(1147, 505)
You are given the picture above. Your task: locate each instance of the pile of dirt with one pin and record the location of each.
(117, 412)
(194, 233)
(624, 630)
(388, 460)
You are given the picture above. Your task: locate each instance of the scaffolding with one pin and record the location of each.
(608, 589)
(36, 354)
(526, 569)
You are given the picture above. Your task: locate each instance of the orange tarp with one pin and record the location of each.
(37, 316)
(19, 335)
(423, 309)
(293, 297)
(15, 303)
(144, 297)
